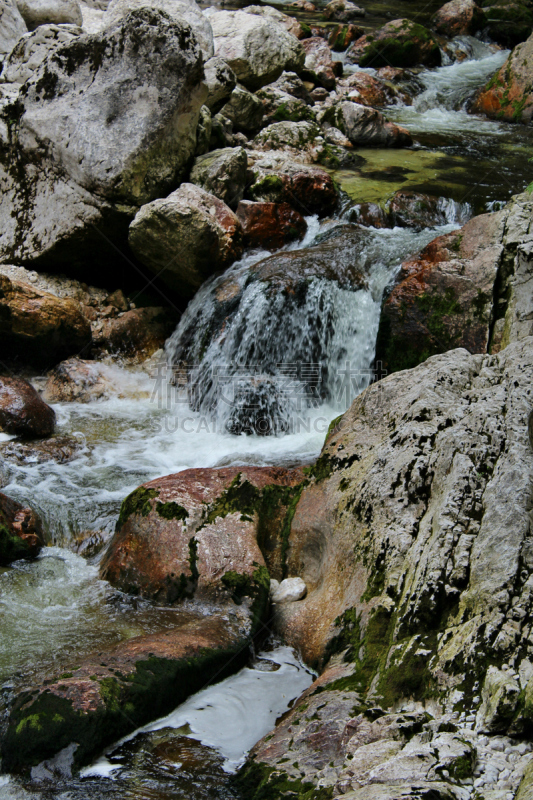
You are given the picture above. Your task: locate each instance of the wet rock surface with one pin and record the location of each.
(21, 533)
(197, 535)
(22, 411)
(96, 702)
(270, 225)
(400, 43)
(508, 93)
(469, 308)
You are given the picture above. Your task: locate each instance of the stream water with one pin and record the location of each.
(56, 608)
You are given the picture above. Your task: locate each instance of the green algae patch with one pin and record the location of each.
(255, 586)
(258, 781)
(138, 502)
(172, 511)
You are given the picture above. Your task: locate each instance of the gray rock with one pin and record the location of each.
(290, 83)
(319, 62)
(244, 110)
(279, 106)
(500, 697)
(139, 115)
(50, 12)
(222, 173)
(290, 24)
(33, 48)
(257, 49)
(220, 81)
(203, 131)
(343, 11)
(365, 126)
(186, 237)
(303, 139)
(178, 10)
(12, 26)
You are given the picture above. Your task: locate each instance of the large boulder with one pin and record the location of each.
(12, 27)
(21, 533)
(37, 327)
(444, 298)
(291, 24)
(65, 186)
(50, 12)
(186, 237)
(458, 17)
(508, 94)
(363, 125)
(400, 43)
(222, 173)
(197, 534)
(22, 411)
(33, 48)
(257, 49)
(301, 140)
(179, 10)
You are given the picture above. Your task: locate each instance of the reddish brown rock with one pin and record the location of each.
(400, 43)
(22, 411)
(270, 225)
(310, 190)
(195, 535)
(137, 333)
(37, 327)
(342, 36)
(367, 90)
(444, 297)
(113, 693)
(21, 532)
(77, 380)
(458, 17)
(508, 95)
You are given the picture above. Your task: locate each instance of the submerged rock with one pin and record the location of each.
(37, 327)
(186, 237)
(270, 225)
(60, 449)
(22, 411)
(257, 49)
(400, 43)
(508, 94)
(76, 185)
(197, 535)
(50, 12)
(21, 533)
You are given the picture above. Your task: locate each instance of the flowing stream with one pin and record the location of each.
(302, 362)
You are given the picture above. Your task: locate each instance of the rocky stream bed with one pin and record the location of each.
(266, 400)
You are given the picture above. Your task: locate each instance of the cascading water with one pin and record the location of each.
(275, 338)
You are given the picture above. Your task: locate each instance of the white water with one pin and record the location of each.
(230, 716)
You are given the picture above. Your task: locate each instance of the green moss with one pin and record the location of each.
(479, 304)
(256, 586)
(171, 511)
(327, 464)
(401, 52)
(436, 307)
(138, 502)
(258, 781)
(12, 547)
(239, 497)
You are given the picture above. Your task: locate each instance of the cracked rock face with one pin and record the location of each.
(60, 180)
